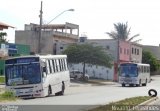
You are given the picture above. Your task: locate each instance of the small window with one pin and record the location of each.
(50, 69)
(137, 51)
(63, 67)
(145, 69)
(58, 66)
(47, 65)
(66, 67)
(53, 65)
(142, 69)
(120, 50)
(127, 51)
(124, 51)
(139, 69)
(107, 47)
(61, 48)
(64, 62)
(132, 50)
(148, 69)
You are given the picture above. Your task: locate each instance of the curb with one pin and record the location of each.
(149, 101)
(2, 83)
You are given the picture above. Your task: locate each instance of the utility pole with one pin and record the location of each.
(40, 30)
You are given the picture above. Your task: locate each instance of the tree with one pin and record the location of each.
(2, 39)
(148, 58)
(122, 33)
(86, 53)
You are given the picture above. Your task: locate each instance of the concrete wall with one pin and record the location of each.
(94, 71)
(27, 37)
(109, 45)
(51, 36)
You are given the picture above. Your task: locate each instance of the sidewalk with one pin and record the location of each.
(91, 82)
(155, 102)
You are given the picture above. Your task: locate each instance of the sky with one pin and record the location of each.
(94, 17)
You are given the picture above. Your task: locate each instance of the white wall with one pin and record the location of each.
(94, 71)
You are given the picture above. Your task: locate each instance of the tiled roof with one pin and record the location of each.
(4, 26)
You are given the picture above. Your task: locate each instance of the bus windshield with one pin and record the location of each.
(28, 73)
(128, 70)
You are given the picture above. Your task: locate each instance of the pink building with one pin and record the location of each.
(124, 51)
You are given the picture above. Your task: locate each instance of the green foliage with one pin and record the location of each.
(148, 58)
(7, 95)
(86, 53)
(122, 32)
(2, 79)
(2, 39)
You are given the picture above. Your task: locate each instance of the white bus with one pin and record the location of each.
(134, 74)
(37, 75)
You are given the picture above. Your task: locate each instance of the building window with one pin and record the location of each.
(61, 48)
(124, 51)
(120, 50)
(107, 47)
(137, 51)
(132, 50)
(127, 51)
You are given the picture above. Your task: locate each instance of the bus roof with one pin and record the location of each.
(40, 56)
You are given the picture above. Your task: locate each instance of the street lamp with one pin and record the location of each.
(60, 14)
(40, 28)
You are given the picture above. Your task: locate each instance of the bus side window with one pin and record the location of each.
(44, 71)
(148, 69)
(139, 69)
(53, 66)
(142, 69)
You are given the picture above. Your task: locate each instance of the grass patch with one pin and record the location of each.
(2, 79)
(128, 102)
(7, 96)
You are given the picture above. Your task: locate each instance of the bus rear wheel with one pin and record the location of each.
(62, 91)
(145, 83)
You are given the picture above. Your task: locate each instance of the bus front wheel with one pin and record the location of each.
(139, 83)
(49, 90)
(123, 85)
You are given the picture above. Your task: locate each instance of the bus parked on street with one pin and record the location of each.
(37, 75)
(134, 74)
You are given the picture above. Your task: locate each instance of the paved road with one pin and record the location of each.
(93, 95)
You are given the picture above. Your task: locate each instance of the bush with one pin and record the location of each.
(7, 95)
(2, 79)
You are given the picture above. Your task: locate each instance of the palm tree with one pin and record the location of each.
(122, 33)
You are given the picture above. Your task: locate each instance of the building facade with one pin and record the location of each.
(120, 51)
(51, 35)
(136, 53)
